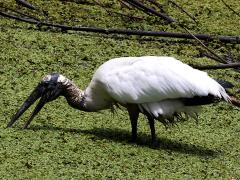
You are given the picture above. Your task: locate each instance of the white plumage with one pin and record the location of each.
(155, 84)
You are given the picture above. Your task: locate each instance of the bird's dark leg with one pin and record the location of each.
(133, 112)
(152, 128)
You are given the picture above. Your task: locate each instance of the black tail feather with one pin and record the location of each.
(225, 84)
(200, 100)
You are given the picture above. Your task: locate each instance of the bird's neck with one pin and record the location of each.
(74, 96)
(91, 100)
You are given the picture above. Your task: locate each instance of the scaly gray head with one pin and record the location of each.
(51, 87)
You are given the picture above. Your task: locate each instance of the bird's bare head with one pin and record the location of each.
(50, 88)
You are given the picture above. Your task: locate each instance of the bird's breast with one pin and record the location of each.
(96, 97)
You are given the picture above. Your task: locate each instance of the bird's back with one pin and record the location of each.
(151, 78)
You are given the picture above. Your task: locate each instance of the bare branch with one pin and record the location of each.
(125, 4)
(27, 20)
(26, 4)
(225, 39)
(20, 13)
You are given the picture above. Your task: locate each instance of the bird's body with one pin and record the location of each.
(156, 84)
(161, 88)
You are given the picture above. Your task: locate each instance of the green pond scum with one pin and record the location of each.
(64, 143)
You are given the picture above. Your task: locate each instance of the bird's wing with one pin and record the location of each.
(153, 79)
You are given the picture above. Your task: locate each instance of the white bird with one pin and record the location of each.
(161, 88)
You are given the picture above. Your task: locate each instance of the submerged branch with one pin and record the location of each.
(217, 66)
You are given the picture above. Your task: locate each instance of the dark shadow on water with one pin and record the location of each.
(122, 136)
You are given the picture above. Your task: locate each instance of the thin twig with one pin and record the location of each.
(121, 14)
(150, 10)
(212, 57)
(125, 15)
(157, 5)
(183, 10)
(138, 7)
(238, 14)
(208, 49)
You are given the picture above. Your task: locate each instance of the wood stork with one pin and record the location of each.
(161, 88)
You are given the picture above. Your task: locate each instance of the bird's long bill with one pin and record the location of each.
(37, 93)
